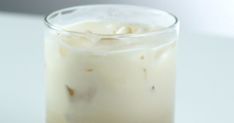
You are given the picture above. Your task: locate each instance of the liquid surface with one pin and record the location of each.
(109, 27)
(100, 36)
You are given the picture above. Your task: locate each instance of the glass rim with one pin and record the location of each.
(50, 24)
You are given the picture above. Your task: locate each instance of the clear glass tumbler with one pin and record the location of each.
(130, 81)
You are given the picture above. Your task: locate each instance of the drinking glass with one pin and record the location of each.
(110, 78)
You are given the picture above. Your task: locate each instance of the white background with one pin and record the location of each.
(205, 74)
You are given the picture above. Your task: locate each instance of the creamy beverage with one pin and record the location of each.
(110, 71)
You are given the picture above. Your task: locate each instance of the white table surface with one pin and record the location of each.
(205, 74)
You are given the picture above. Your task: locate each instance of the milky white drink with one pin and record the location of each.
(101, 71)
